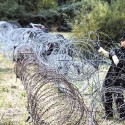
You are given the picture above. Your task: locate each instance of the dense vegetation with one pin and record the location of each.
(52, 13)
(99, 15)
(64, 15)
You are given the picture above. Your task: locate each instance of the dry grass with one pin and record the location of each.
(12, 96)
(65, 34)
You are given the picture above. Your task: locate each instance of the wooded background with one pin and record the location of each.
(78, 16)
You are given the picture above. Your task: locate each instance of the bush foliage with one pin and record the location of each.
(86, 15)
(102, 16)
(47, 12)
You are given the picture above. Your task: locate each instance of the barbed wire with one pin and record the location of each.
(62, 77)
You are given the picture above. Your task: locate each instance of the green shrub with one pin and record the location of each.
(99, 15)
(92, 14)
(114, 22)
(71, 10)
(47, 4)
